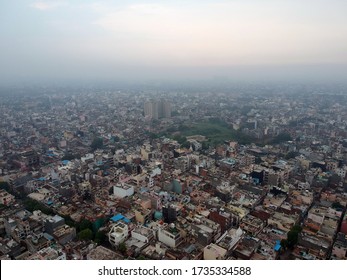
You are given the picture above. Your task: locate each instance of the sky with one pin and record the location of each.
(81, 40)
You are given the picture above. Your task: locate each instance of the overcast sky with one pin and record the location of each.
(113, 40)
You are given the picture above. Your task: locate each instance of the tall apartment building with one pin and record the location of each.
(157, 109)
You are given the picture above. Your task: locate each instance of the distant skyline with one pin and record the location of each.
(241, 40)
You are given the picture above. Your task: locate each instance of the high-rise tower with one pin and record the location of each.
(157, 109)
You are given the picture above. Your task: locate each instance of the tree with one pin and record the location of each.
(282, 137)
(204, 146)
(293, 236)
(185, 144)
(100, 237)
(69, 221)
(68, 156)
(284, 243)
(174, 113)
(291, 154)
(5, 186)
(32, 205)
(85, 234)
(115, 139)
(85, 224)
(97, 143)
(296, 228)
(122, 247)
(2, 206)
(152, 135)
(179, 138)
(334, 180)
(337, 205)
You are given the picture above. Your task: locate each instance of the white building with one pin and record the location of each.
(123, 190)
(170, 236)
(118, 234)
(142, 234)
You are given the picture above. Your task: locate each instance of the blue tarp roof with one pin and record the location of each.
(119, 217)
(65, 162)
(277, 246)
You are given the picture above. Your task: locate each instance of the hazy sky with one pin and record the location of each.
(112, 40)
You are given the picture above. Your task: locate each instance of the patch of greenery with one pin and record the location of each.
(5, 186)
(32, 205)
(282, 137)
(2, 206)
(216, 131)
(70, 156)
(100, 237)
(84, 224)
(97, 143)
(292, 237)
(122, 247)
(291, 155)
(85, 234)
(337, 205)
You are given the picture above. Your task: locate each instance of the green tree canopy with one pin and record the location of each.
(337, 205)
(293, 236)
(97, 143)
(85, 234)
(32, 205)
(4, 186)
(85, 224)
(68, 156)
(291, 154)
(115, 139)
(334, 180)
(122, 247)
(100, 237)
(282, 137)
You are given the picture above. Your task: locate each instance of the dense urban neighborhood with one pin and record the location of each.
(248, 172)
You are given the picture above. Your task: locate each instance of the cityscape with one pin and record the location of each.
(201, 130)
(251, 173)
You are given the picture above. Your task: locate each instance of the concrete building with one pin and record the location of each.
(6, 198)
(157, 109)
(53, 223)
(118, 233)
(64, 234)
(214, 252)
(123, 190)
(102, 253)
(142, 234)
(170, 235)
(48, 253)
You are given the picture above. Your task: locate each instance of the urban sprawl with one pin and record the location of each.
(245, 173)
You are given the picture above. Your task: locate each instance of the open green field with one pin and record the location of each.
(216, 132)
